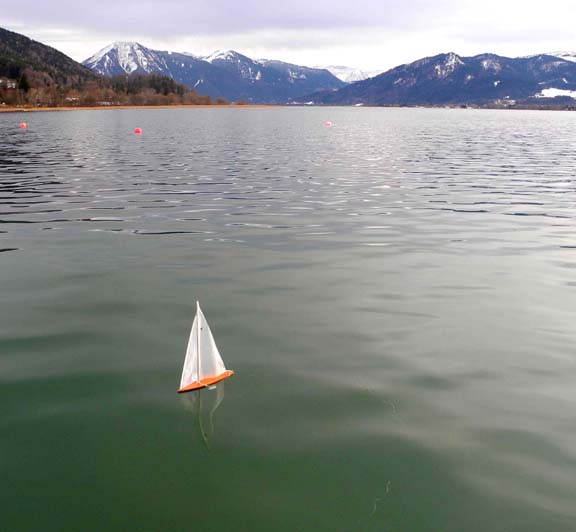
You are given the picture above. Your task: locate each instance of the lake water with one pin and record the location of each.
(396, 294)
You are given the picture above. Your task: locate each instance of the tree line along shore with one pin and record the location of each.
(27, 109)
(35, 89)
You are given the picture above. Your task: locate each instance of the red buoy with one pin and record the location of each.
(328, 123)
(137, 131)
(23, 125)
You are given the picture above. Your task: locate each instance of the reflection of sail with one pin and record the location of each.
(203, 403)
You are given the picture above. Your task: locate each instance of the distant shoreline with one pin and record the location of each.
(9, 109)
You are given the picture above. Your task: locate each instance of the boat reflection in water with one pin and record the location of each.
(203, 403)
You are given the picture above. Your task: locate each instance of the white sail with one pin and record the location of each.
(203, 360)
(190, 372)
(211, 363)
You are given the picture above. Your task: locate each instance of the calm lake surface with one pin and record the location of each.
(396, 293)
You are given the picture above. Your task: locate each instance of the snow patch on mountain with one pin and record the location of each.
(350, 74)
(491, 64)
(99, 55)
(553, 93)
(222, 55)
(233, 61)
(567, 56)
(446, 67)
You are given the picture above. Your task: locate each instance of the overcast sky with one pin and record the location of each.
(370, 34)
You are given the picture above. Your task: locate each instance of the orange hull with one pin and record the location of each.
(206, 382)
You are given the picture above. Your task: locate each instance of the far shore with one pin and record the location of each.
(10, 109)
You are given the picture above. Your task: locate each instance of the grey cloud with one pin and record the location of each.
(372, 34)
(181, 17)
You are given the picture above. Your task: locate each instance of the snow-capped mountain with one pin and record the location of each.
(451, 79)
(241, 65)
(351, 75)
(127, 57)
(227, 74)
(567, 56)
(303, 77)
(295, 72)
(269, 76)
(130, 57)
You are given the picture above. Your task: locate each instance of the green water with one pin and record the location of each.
(395, 294)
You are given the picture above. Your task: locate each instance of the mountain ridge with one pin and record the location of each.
(227, 74)
(20, 54)
(442, 79)
(452, 79)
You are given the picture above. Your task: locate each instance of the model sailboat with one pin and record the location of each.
(203, 365)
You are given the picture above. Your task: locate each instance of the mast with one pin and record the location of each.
(198, 339)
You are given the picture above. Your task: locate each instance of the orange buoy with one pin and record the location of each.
(137, 131)
(23, 125)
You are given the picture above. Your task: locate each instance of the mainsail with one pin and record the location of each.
(203, 364)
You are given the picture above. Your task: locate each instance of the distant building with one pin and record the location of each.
(6, 83)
